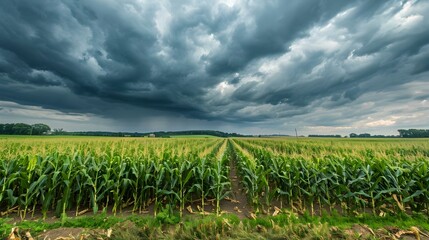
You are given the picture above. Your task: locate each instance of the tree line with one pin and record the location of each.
(367, 135)
(414, 133)
(43, 129)
(403, 133)
(324, 136)
(24, 129)
(162, 134)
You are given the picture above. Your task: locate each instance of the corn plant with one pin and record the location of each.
(221, 183)
(202, 173)
(353, 179)
(8, 182)
(59, 174)
(185, 174)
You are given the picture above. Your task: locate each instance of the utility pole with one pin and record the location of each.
(296, 133)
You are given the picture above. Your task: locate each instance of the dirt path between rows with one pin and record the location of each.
(238, 202)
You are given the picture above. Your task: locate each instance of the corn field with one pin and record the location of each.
(355, 176)
(72, 174)
(75, 174)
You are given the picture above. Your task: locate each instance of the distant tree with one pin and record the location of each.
(8, 128)
(327, 136)
(21, 129)
(353, 135)
(58, 131)
(414, 133)
(39, 129)
(364, 135)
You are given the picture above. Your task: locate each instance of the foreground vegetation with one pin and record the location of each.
(317, 179)
(99, 174)
(283, 226)
(379, 176)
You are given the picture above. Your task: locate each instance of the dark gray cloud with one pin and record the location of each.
(236, 63)
(268, 29)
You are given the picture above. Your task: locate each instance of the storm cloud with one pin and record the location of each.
(243, 65)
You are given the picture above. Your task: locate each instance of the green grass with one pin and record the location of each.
(227, 226)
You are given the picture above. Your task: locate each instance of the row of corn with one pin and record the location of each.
(331, 177)
(64, 176)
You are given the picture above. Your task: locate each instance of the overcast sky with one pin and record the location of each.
(250, 66)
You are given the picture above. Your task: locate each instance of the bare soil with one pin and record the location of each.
(62, 233)
(237, 204)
